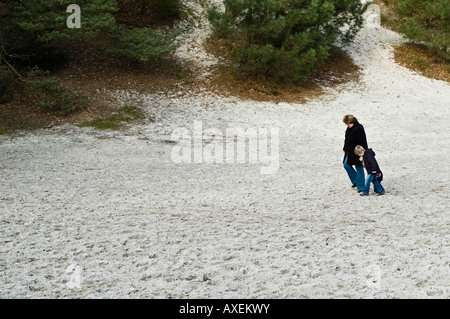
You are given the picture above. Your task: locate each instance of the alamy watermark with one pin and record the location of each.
(74, 282)
(74, 20)
(373, 276)
(236, 145)
(372, 16)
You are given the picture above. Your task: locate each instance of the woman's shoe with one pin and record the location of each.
(364, 194)
(380, 193)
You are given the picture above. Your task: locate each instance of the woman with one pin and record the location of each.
(354, 135)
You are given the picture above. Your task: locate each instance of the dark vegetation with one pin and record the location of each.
(51, 74)
(427, 26)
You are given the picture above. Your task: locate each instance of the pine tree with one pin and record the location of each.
(287, 39)
(30, 25)
(47, 18)
(142, 44)
(427, 22)
(30, 31)
(160, 9)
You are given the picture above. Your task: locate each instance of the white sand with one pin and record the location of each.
(89, 214)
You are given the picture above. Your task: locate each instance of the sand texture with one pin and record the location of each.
(108, 214)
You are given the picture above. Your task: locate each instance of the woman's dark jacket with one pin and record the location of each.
(354, 136)
(370, 163)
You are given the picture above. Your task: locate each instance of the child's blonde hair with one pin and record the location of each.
(359, 150)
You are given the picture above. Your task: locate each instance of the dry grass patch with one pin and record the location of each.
(418, 58)
(91, 73)
(338, 69)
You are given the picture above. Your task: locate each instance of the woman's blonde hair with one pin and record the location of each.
(359, 150)
(349, 119)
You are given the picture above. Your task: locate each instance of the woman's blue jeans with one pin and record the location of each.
(356, 175)
(372, 178)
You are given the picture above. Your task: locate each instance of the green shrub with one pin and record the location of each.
(286, 40)
(221, 23)
(425, 21)
(114, 121)
(54, 96)
(33, 30)
(142, 44)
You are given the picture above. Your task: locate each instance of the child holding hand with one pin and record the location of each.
(374, 174)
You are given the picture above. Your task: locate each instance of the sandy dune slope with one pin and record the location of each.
(110, 215)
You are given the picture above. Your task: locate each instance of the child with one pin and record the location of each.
(374, 174)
